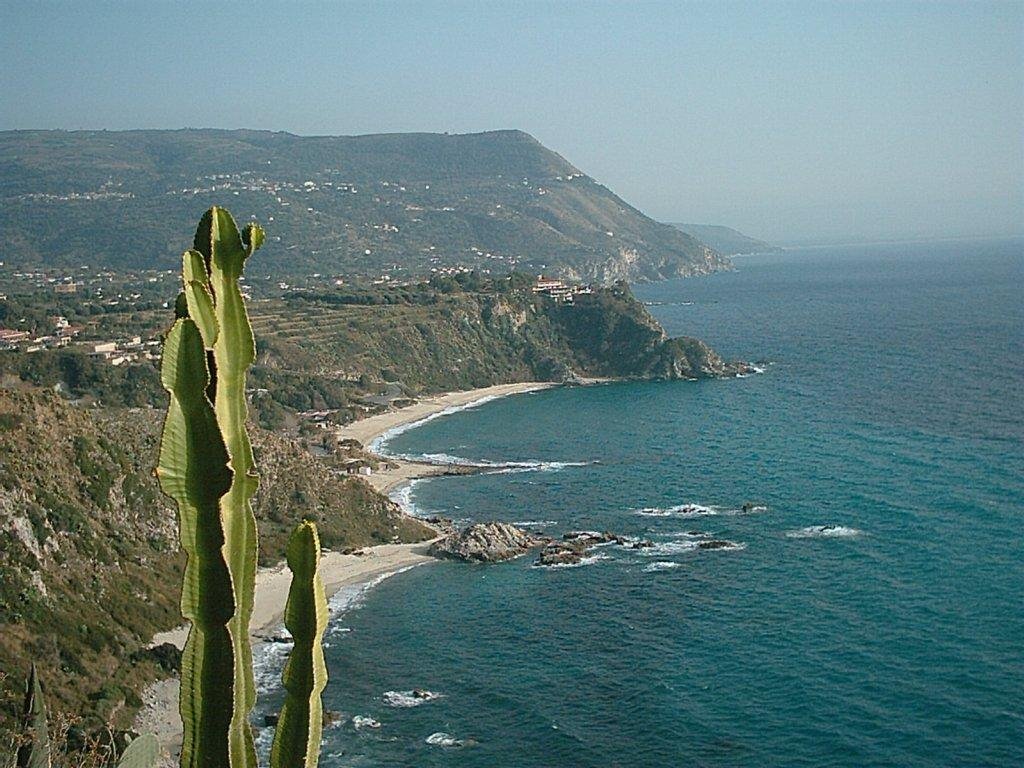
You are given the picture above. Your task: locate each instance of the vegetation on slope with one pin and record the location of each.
(467, 332)
(90, 565)
(362, 205)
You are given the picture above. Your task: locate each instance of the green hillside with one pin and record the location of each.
(90, 565)
(400, 204)
(459, 335)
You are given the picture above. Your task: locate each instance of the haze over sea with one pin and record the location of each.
(890, 412)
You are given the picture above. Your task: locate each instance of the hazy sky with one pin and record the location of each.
(789, 121)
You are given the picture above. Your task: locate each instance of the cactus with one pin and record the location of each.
(297, 739)
(35, 751)
(206, 465)
(143, 752)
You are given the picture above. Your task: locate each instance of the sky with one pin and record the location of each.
(794, 122)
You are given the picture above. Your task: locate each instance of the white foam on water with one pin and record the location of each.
(379, 444)
(361, 721)
(493, 467)
(669, 548)
(661, 565)
(588, 560)
(690, 509)
(824, 532)
(403, 497)
(406, 699)
(269, 658)
(442, 739)
(680, 510)
(535, 523)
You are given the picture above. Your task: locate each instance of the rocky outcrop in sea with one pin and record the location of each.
(486, 543)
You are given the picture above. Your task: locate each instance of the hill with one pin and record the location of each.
(90, 565)
(466, 333)
(397, 204)
(726, 240)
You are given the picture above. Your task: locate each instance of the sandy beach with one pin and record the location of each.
(369, 429)
(159, 714)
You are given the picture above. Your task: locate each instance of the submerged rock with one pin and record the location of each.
(716, 544)
(562, 553)
(486, 543)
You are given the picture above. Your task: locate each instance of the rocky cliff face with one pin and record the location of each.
(460, 339)
(612, 334)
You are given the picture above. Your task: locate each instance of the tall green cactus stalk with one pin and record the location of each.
(35, 751)
(206, 466)
(297, 739)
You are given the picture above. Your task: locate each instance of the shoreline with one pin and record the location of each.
(373, 428)
(159, 712)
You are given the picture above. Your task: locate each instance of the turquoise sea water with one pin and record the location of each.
(891, 408)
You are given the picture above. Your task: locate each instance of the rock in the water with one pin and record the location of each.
(562, 553)
(593, 538)
(486, 543)
(716, 544)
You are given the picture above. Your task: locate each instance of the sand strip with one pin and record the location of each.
(159, 714)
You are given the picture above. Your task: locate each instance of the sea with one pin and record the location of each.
(865, 608)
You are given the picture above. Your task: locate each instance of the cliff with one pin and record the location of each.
(462, 335)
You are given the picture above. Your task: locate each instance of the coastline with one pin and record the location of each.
(159, 712)
(372, 429)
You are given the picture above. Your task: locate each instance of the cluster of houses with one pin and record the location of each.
(117, 352)
(61, 335)
(559, 290)
(130, 350)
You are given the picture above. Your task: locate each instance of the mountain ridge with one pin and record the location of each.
(400, 204)
(726, 240)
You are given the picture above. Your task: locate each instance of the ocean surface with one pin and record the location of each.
(871, 614)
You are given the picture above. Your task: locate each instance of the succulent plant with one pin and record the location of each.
(206, 465)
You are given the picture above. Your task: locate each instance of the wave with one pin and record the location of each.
(680, 510)
(661, 565)
(535, 523)
(690, 543)
(403, 497)
(378, 444)
(669, 548)
(406, 699)
(442, 739)
(824, 532)
(269, 658)
(361, 721)
(699, 510)
(588, 560)
(754, 370)
(495, 467)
